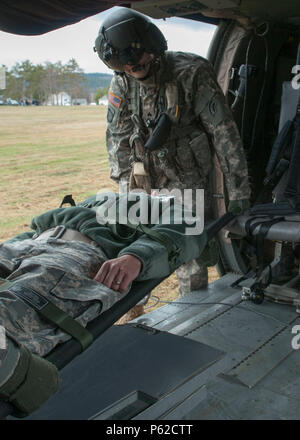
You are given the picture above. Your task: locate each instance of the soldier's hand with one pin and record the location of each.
(118, 273)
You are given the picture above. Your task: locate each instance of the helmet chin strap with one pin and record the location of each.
(139, 67)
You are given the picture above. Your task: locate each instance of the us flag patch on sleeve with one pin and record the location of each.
(114, 100)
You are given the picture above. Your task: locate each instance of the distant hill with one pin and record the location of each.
(98, 81)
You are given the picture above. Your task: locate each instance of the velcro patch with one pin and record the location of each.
(110, 114)
(114, 100)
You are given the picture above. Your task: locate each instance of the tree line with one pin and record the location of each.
(37, 82)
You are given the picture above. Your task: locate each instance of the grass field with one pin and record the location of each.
(48, 152)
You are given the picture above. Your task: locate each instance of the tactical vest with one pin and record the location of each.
(179, 163)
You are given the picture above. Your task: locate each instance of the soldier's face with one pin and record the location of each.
(141, 69)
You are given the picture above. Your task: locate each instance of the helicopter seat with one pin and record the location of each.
(283, 215)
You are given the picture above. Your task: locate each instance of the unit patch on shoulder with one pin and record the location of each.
(114, 100)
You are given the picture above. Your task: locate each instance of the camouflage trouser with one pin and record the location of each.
(9, 356)
(192, 276)
(61, 271)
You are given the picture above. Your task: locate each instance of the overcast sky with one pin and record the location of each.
(76, 41)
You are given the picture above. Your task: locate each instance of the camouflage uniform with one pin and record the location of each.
(63, 270)
(62, 273)
(184, 86)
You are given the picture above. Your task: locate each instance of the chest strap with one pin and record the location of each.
(50, 312)
(134, 96)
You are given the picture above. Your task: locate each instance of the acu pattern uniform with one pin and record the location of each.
(184, 86)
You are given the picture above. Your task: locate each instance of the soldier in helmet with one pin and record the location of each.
(150, 81)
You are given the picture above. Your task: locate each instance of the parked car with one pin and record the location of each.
(10, 101)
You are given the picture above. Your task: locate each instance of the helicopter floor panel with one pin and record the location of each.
(125, 359)
(258, 378)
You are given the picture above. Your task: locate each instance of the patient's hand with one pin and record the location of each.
(118, 273)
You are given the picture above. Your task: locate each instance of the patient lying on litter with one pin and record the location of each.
(81, 266)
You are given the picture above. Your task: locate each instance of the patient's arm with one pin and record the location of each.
(118, 273)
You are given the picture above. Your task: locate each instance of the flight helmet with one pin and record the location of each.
(125, 35)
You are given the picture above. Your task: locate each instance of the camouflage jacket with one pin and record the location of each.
(184, 86)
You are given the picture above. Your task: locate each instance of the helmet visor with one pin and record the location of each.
(120, 44)
(131, 55)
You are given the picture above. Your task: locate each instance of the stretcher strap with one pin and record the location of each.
(50, 312)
